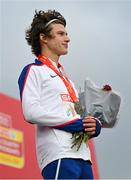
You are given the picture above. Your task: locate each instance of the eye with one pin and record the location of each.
(61, 33)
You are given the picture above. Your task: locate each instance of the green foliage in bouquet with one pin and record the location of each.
(79, 137)
(78, 108)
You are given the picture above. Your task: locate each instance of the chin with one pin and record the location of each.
(65, 52)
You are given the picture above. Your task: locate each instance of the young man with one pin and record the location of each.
(48, 99)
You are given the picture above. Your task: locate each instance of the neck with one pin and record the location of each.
(53, 57)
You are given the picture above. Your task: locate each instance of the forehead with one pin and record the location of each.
(58, 27)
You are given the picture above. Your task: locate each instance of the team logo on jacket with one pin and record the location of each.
(66, 97)
(68, 105)
(69, 112)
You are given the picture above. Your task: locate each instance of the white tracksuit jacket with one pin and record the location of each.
(46, 102)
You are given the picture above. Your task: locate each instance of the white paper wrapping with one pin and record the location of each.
(99, 103)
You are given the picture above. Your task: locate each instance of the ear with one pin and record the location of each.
(43, 38)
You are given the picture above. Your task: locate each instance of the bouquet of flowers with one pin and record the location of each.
(102, 103)
(79, 137)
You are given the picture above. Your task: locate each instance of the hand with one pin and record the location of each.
(89, 123)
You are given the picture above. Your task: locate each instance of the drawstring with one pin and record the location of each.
(57, 170)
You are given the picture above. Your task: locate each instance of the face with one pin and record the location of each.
(58, 42)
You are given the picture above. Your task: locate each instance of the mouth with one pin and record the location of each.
(65, 45)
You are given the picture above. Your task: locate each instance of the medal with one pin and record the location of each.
(77, 105)
(78, 108)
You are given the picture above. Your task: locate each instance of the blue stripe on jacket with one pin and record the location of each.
(77, 126)
(21, 80)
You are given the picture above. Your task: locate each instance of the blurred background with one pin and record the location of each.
(100, 48)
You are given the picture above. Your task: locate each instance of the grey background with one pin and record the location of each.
(100, 48)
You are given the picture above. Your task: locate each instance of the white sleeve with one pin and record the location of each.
(31, 106)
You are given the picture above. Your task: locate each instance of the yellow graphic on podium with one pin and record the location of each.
(11, 147)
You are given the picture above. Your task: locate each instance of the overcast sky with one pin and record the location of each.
(100, 48)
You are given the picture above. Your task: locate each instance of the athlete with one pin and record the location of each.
(48, 100)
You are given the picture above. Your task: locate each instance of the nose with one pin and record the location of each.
(67, 39)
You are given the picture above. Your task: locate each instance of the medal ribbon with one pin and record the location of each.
(64, 78)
